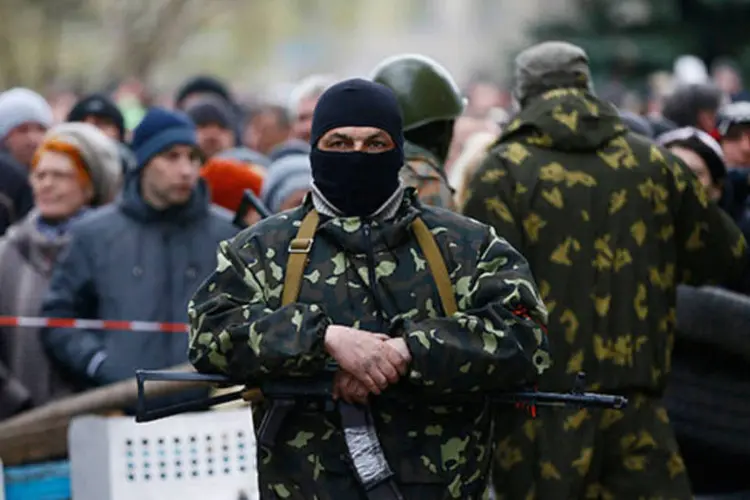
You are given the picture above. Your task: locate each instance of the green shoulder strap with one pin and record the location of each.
(300, 247)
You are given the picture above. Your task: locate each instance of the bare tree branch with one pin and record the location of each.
(30, 39)
(153, 43)
(10, 66)
(49, 50)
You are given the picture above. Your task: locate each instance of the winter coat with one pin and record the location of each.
(611, 223)
(16, 198)
(128, 261)
(27, 259)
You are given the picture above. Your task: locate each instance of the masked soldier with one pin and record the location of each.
(395, 298)
(610, 223)
(430, 102)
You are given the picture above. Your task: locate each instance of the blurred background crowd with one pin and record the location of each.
(90, 101)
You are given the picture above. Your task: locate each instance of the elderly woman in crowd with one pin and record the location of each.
(75, 169)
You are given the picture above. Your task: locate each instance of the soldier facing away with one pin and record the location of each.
(610, 223)
(409, 304)
(430, 102)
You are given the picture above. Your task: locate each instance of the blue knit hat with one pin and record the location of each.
(159, 130)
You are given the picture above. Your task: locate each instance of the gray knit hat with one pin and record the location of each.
(245, 155)
(285, 176)
(550, 65)
(20, 105)
(100, 154)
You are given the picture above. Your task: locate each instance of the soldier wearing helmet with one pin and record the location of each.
(430, 102)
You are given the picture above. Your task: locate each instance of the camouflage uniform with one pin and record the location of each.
(424, 172)
(427, 95)
(610, 224)
(436, 450)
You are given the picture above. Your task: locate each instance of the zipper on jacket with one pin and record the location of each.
(370, 252)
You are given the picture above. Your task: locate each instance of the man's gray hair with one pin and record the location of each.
(310, 87)
(548, 66)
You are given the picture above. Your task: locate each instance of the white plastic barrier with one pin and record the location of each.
(187, 457)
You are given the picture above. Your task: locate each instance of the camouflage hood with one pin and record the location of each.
(425, 172)
(566, 120)
(415, 152)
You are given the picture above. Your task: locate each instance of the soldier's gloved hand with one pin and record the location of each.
(365, 355)
(348, 388)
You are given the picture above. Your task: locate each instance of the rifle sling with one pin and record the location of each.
(299, 248)
(368, 460)
(436, 262)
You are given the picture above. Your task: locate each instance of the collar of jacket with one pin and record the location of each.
(133, 205)
(383, 234)
(386, 211)
(415, 152)
(61, 228)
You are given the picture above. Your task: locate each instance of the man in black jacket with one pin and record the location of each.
(16, 198)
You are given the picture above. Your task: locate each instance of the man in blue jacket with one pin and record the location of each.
(139, 259)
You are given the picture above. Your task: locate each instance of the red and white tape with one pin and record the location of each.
(92, 324)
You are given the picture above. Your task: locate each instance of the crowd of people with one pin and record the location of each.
(612, 211)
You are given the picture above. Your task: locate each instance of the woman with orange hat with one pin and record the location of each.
(75, 169)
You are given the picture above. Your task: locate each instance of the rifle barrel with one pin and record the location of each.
(587, 399)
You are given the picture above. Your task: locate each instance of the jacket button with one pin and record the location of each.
(191, 272)
(137, 271)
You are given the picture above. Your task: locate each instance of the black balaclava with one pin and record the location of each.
(357, 183)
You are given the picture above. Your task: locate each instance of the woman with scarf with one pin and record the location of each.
(75, 169)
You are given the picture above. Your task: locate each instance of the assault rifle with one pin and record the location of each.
(368, 461)
(321, 389)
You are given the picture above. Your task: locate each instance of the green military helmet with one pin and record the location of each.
(426, 92)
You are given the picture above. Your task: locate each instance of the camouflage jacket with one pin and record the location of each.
(610, 224)
(424, 172)
(238, 328)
